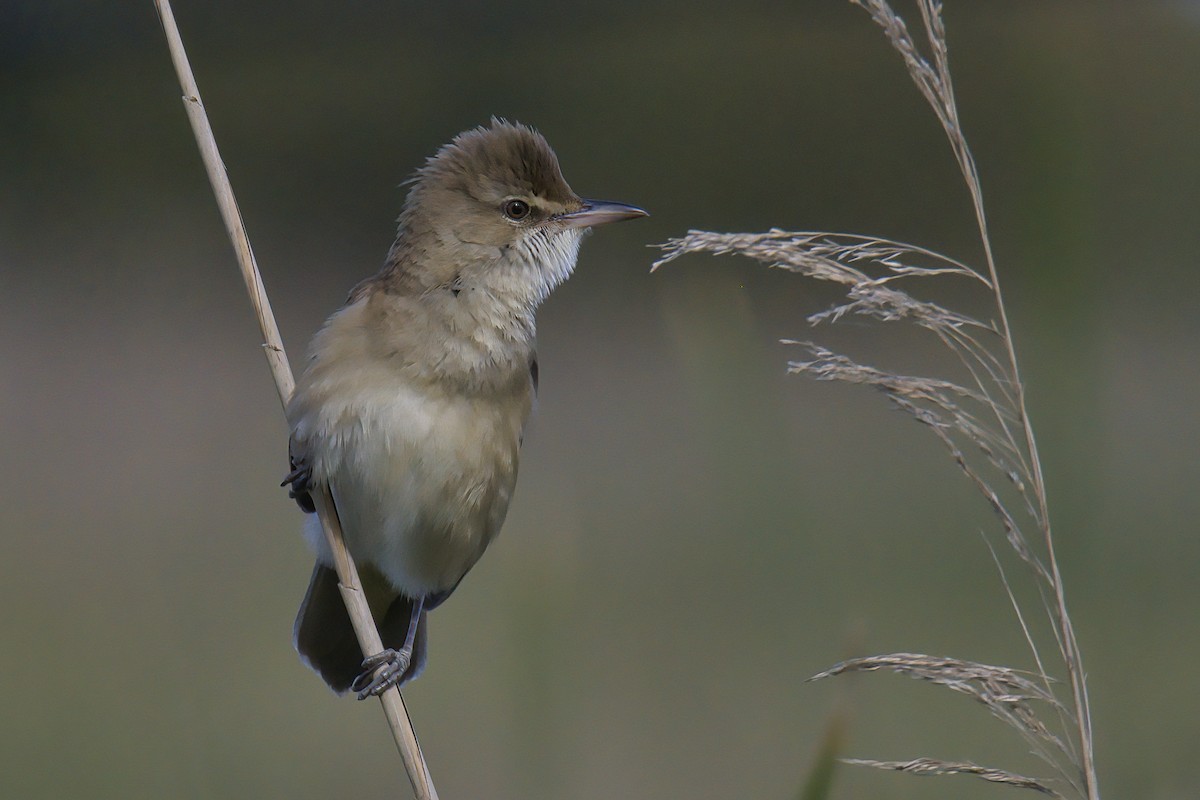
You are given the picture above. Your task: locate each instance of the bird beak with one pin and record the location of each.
(601, 212)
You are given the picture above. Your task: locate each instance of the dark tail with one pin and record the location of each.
(325, 638)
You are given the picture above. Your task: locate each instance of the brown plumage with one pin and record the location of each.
(413, 402)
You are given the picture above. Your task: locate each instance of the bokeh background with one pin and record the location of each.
(694, 532)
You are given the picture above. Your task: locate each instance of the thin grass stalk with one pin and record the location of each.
(961, 416)
(349, 584)
(931, 15)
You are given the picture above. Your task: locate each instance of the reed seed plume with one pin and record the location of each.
(932, 766)
(981, 419)
(1007, 693)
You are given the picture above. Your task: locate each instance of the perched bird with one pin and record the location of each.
(413, 401)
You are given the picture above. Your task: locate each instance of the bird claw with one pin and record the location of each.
(381, 672)
(299, 477)
(299, 483)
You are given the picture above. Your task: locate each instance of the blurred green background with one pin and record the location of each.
(694, 532)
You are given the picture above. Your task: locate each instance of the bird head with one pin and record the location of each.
(492, 212)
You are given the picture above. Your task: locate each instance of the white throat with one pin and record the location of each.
(545, 258)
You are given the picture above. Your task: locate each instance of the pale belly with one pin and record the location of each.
(421, 484)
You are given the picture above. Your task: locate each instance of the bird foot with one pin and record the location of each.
(381, 672)
(299, 483)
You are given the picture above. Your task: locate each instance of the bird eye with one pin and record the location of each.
(515, 210)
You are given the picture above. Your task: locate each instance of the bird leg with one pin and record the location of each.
(384, 670)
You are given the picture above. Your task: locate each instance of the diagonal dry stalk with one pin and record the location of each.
(351, 588)
(984, 424)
